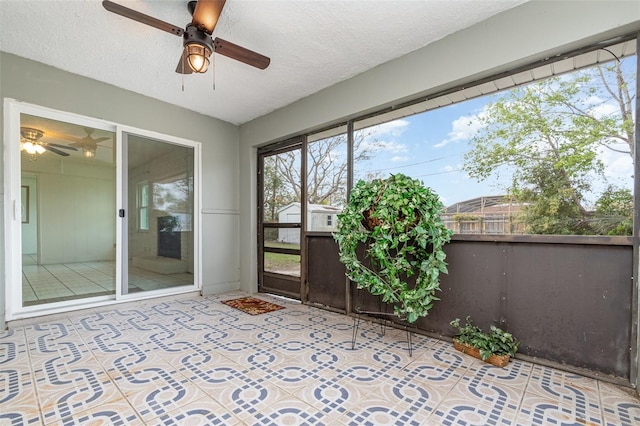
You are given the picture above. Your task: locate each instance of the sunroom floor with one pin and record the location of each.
(198, 361)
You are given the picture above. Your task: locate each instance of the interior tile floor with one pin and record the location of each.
(64, 281)
(196, 361)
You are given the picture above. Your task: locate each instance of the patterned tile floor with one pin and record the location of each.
(196, 361)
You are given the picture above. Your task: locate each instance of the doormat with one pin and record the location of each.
(252, 306)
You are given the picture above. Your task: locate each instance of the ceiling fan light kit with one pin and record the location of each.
(29, 140)
(89, 152)
(33, 148)
(198, 45)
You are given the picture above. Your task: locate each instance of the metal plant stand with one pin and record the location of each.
(383, 317)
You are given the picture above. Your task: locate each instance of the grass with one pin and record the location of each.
(278, 244)
(288, 264)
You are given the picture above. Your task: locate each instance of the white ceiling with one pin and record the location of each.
(312, 45)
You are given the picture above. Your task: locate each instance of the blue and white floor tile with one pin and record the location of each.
(197, 361)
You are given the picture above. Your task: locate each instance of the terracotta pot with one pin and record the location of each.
(497, 360)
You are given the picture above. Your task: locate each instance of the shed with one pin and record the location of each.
(320, 218)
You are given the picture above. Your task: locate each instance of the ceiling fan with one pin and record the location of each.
(30, 143)
(197, 41)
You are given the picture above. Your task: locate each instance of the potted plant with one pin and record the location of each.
(495, 347)
(397, 222)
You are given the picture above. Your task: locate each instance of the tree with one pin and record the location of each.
(275, 193)
(614, 211)
(326, 167)
(548, 136)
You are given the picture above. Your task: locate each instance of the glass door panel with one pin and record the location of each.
(160, 228)
(68, 193)
(281, 222)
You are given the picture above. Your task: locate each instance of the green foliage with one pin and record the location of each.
(496, 342)
(547, 135)
(614, 211)
(407, 240)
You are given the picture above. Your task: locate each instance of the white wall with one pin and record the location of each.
(530, 32)
(76, 219)
(43, 85)
(75, 205)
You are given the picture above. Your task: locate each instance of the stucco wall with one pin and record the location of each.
(39, 84)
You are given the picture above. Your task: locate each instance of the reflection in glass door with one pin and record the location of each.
(160, 218)
(67, 200)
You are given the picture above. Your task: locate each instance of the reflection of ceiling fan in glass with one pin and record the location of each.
(88, 144)
(30, 143)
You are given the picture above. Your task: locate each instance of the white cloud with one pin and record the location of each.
(399, 159)
(593, 100)
(393, 128)
(604, 110)
(382, 137)
(376, 146)
(462, 128)
(617, 166)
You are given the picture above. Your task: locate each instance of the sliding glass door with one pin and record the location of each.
(160, 219)
(67, 200)
(95, 212)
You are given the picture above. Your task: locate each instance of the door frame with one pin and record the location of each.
(268, 281)
(122, 268)
(12, 216)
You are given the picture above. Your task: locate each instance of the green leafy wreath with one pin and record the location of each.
(397, 221)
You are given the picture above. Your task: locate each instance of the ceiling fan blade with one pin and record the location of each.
(206, 15)
(55, 145)
(142, 18)
(57, 151)
(183, 66)
(240, 53)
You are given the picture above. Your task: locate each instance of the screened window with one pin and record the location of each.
(546, 150)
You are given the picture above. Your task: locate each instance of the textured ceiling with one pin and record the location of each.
(312, 45)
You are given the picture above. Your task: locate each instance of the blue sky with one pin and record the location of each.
(430, 146)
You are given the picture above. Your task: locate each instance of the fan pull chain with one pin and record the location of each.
(182, 66)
